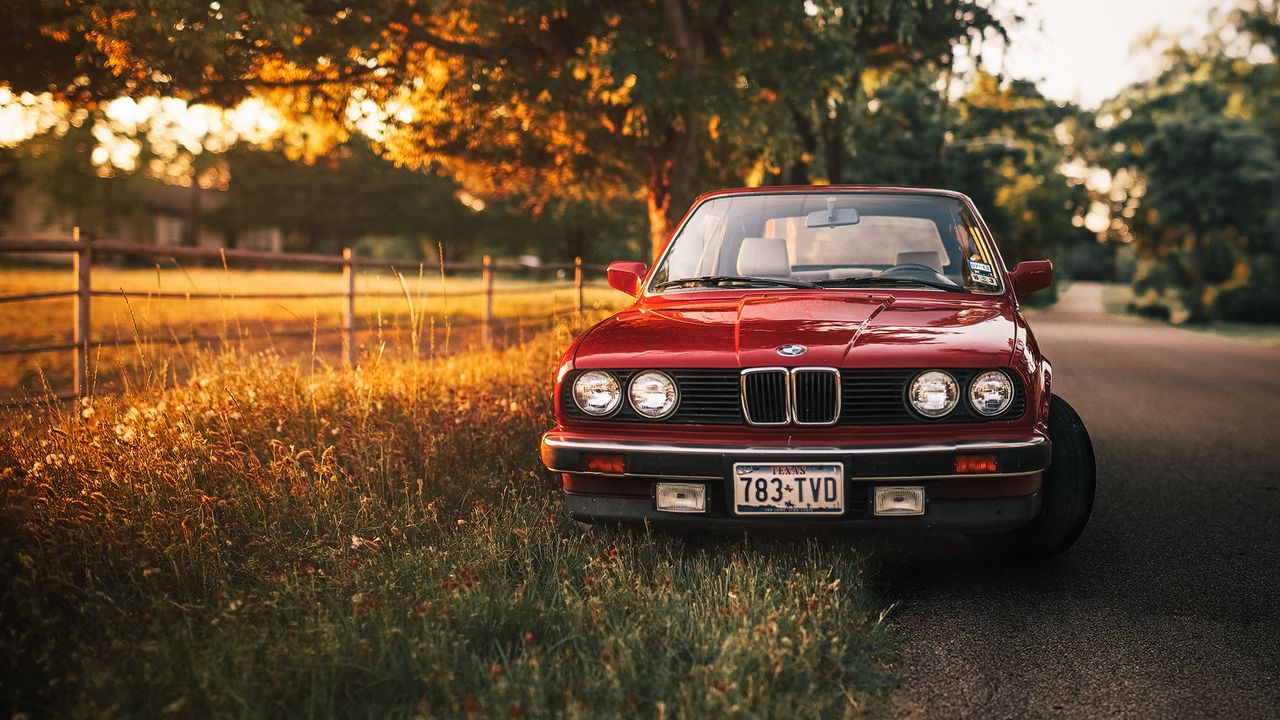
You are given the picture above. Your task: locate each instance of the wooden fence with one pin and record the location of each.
(85, 252)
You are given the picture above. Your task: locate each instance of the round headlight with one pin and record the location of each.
(934, 393)
(990, 393)
(653, 394)
(597, 393)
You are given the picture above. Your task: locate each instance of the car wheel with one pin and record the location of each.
(1066, 497)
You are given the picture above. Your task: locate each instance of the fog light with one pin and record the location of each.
(975, 463)
(899, 501)
(682, 497)
(608, 464)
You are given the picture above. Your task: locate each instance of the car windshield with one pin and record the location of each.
(829, 240)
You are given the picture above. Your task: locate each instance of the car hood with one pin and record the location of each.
(839, 329)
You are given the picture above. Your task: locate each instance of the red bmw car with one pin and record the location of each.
(824, 357)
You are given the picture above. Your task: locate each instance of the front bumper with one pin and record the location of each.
(995, 501)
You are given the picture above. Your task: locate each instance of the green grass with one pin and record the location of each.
(267, 541)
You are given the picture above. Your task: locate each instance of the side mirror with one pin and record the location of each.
(1031, 276)
(626, 275)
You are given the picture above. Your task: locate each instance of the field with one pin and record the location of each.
(443, 311)
(271, 538)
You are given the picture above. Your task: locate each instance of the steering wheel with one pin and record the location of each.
(910, 269)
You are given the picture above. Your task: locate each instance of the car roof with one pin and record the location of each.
(774, 189)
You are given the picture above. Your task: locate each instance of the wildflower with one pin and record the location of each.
(529, 640)
(87, 412)
(469, 705)
(515, 711)
(721, 686)
(633, 700)
(497, 671)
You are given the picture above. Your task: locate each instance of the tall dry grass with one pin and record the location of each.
(277, 538)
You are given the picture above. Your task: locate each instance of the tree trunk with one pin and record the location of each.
(833, 146)
(1197, 314)
(674, 182)
(675, 165)
(193, 209)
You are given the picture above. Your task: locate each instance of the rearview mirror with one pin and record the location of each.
(832, 217)
(626, 275)
(1031, 276)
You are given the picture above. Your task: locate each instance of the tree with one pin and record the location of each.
(576, 99)
(1001, 142)
(1195, 157)
(1207, 175)
(352, 193)
(57, 166)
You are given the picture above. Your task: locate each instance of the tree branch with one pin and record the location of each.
(415, 33)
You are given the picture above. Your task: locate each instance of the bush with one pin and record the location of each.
(1152, 283)
(1255, 298)
(1089, 261)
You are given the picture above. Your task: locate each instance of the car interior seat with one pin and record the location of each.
(764, 257)
(928, 258)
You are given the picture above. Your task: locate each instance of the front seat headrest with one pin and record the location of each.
(764, 257)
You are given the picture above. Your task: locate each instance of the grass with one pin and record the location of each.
(1116, 299)
(385, 310)
(264, 540)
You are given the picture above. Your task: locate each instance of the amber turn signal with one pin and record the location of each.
(611, 464)
(966, 464)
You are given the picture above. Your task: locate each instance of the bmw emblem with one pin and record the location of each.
(792, 350)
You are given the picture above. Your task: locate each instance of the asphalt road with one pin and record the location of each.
(1169, 604)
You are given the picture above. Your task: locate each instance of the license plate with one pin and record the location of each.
(801, 488)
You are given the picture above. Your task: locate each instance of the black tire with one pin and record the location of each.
(1066, 498)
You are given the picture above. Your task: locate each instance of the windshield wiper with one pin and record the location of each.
(890, 280)
(718, 280)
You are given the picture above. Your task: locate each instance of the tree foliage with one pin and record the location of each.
(572, 99)
(1195, 151)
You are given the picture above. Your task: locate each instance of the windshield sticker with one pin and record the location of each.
(982, 273)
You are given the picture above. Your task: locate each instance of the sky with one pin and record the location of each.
(1082, 50)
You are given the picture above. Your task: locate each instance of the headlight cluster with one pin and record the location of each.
(935, 393)
(652, 394)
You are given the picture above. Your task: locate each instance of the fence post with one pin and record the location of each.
(577, 285)
(349, 307)
(83, 261)
(486, 282)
